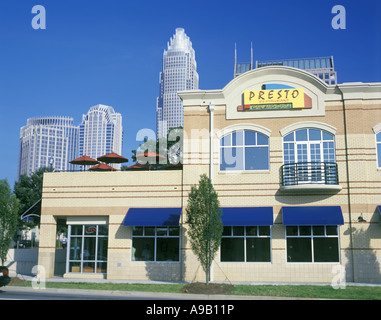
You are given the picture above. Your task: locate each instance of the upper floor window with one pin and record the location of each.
(244, 150)
(309, 145)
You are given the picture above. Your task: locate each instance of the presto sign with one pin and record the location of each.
(276, 99)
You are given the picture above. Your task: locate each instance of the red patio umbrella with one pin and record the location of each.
(84, 161)
(139, 166)
(151, 156)
(112, 158)
(102, 167)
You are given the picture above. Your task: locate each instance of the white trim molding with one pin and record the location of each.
(243, 126)
(308, 124)
(377, 128)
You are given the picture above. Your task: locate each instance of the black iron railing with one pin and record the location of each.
(309, 173)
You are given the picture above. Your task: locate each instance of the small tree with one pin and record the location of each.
(205, 225)
(8, 218)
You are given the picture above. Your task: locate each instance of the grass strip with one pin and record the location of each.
(296, 291)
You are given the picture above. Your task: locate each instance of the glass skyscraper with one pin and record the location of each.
(47, 142)
(322, 67)
(101, 132)
(179, 73)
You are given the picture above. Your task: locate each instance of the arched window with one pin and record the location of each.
(309, 157)
(309, 145)
(244, 150)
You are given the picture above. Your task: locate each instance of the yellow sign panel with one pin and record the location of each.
(292, 98)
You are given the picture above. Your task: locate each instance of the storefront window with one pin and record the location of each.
(244, 150)
(312, 244)
(156, 244)
(87, 248)
(246, 244)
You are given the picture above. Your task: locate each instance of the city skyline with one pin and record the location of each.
(93, 54)
(55, 140)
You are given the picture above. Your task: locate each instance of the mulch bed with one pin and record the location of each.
(211, 288)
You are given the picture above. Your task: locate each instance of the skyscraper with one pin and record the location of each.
(100, 132)
(45, 142)
(179, 73)
(322, 67)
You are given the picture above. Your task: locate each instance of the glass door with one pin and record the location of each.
(309, 162)
(302, 160)
(87, 249)
(317, 166)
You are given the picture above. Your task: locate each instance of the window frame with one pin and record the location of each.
(312, 236)
(245, 236)
(244, 147)
(82, 238)
(155, 236)
(378, 155)
(308, 142)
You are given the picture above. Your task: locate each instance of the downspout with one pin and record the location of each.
(348, 184)
(182, 231)
(211, 136)
(211, 155)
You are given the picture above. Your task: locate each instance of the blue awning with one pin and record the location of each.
(152, 217)
(312, 216)
(247, 216)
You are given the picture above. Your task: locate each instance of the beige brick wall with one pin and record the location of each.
(111, 194)
(262, 189)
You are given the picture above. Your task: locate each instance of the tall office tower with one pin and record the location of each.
(321, 67)
(179, 73)
(100, 132)
(47, 142)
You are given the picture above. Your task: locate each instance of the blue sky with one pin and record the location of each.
(110, 52)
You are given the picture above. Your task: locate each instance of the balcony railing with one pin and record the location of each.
(309, 173)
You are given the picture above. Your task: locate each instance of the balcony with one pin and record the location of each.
(304, 177)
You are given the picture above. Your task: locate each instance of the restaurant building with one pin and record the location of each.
(296, 165)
